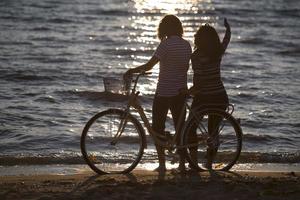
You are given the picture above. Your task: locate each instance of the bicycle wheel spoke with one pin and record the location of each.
(198, 120)
(202, 128)
(112, 144)
(219, 147)
(220, 128)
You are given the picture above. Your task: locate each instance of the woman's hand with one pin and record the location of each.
(141, 69)
(226, 24)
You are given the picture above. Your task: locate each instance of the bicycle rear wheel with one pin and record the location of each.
(214, 140)
(103, 151)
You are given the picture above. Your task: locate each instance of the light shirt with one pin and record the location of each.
(174, 55)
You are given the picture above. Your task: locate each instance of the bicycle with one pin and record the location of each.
(124, 140)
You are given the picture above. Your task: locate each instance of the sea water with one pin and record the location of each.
(54, 55)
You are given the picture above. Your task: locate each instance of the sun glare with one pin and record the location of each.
(145, 20)
(163, 6)
(149, 12)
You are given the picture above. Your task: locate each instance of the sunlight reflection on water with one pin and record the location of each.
(53, 62)
(146, 20)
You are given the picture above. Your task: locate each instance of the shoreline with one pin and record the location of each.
(143, 184)
(74, 169)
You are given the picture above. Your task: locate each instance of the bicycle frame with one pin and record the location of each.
(169, 144)
(135, 103)
(202, 129)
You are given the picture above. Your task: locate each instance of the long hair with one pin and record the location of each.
(207, 41)
(169, 25)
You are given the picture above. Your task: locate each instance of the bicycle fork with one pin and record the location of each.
(120, 128)
(132, 102)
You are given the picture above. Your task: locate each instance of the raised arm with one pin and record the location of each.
(227, 36)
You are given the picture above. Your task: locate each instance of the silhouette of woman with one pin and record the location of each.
(173, 53)
(207, 84)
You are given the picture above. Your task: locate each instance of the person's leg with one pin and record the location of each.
(178, 114)
(214, 120)
(213, 130)
(197, 103)
(159, 114)
(177, 107)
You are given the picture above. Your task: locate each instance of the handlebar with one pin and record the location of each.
(142, 73)
(135, 81)
(188, 94)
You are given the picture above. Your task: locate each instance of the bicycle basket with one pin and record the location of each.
(115, 85)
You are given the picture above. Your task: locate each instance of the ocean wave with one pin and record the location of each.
(247, 96)
(287, 12)
(41, 28)
(58, 60)
(102, 11)
(49, 59)
(61, 20)
(45, 38)
(8, 43)
(47, 99)
(106, 96)
(290, 52)
(253, 41)
(127, 52)
(103, 96)
(43, 6)
(254, 139)
(10, 17)
(256, 157)
(20, 76)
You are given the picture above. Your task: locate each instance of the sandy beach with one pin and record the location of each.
(143, 184)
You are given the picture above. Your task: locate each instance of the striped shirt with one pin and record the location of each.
(207, 75)
(174, 54)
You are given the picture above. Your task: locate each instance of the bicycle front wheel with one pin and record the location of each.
(105, 151)
(213, 139)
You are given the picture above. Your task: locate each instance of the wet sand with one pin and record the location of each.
(142, 184)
